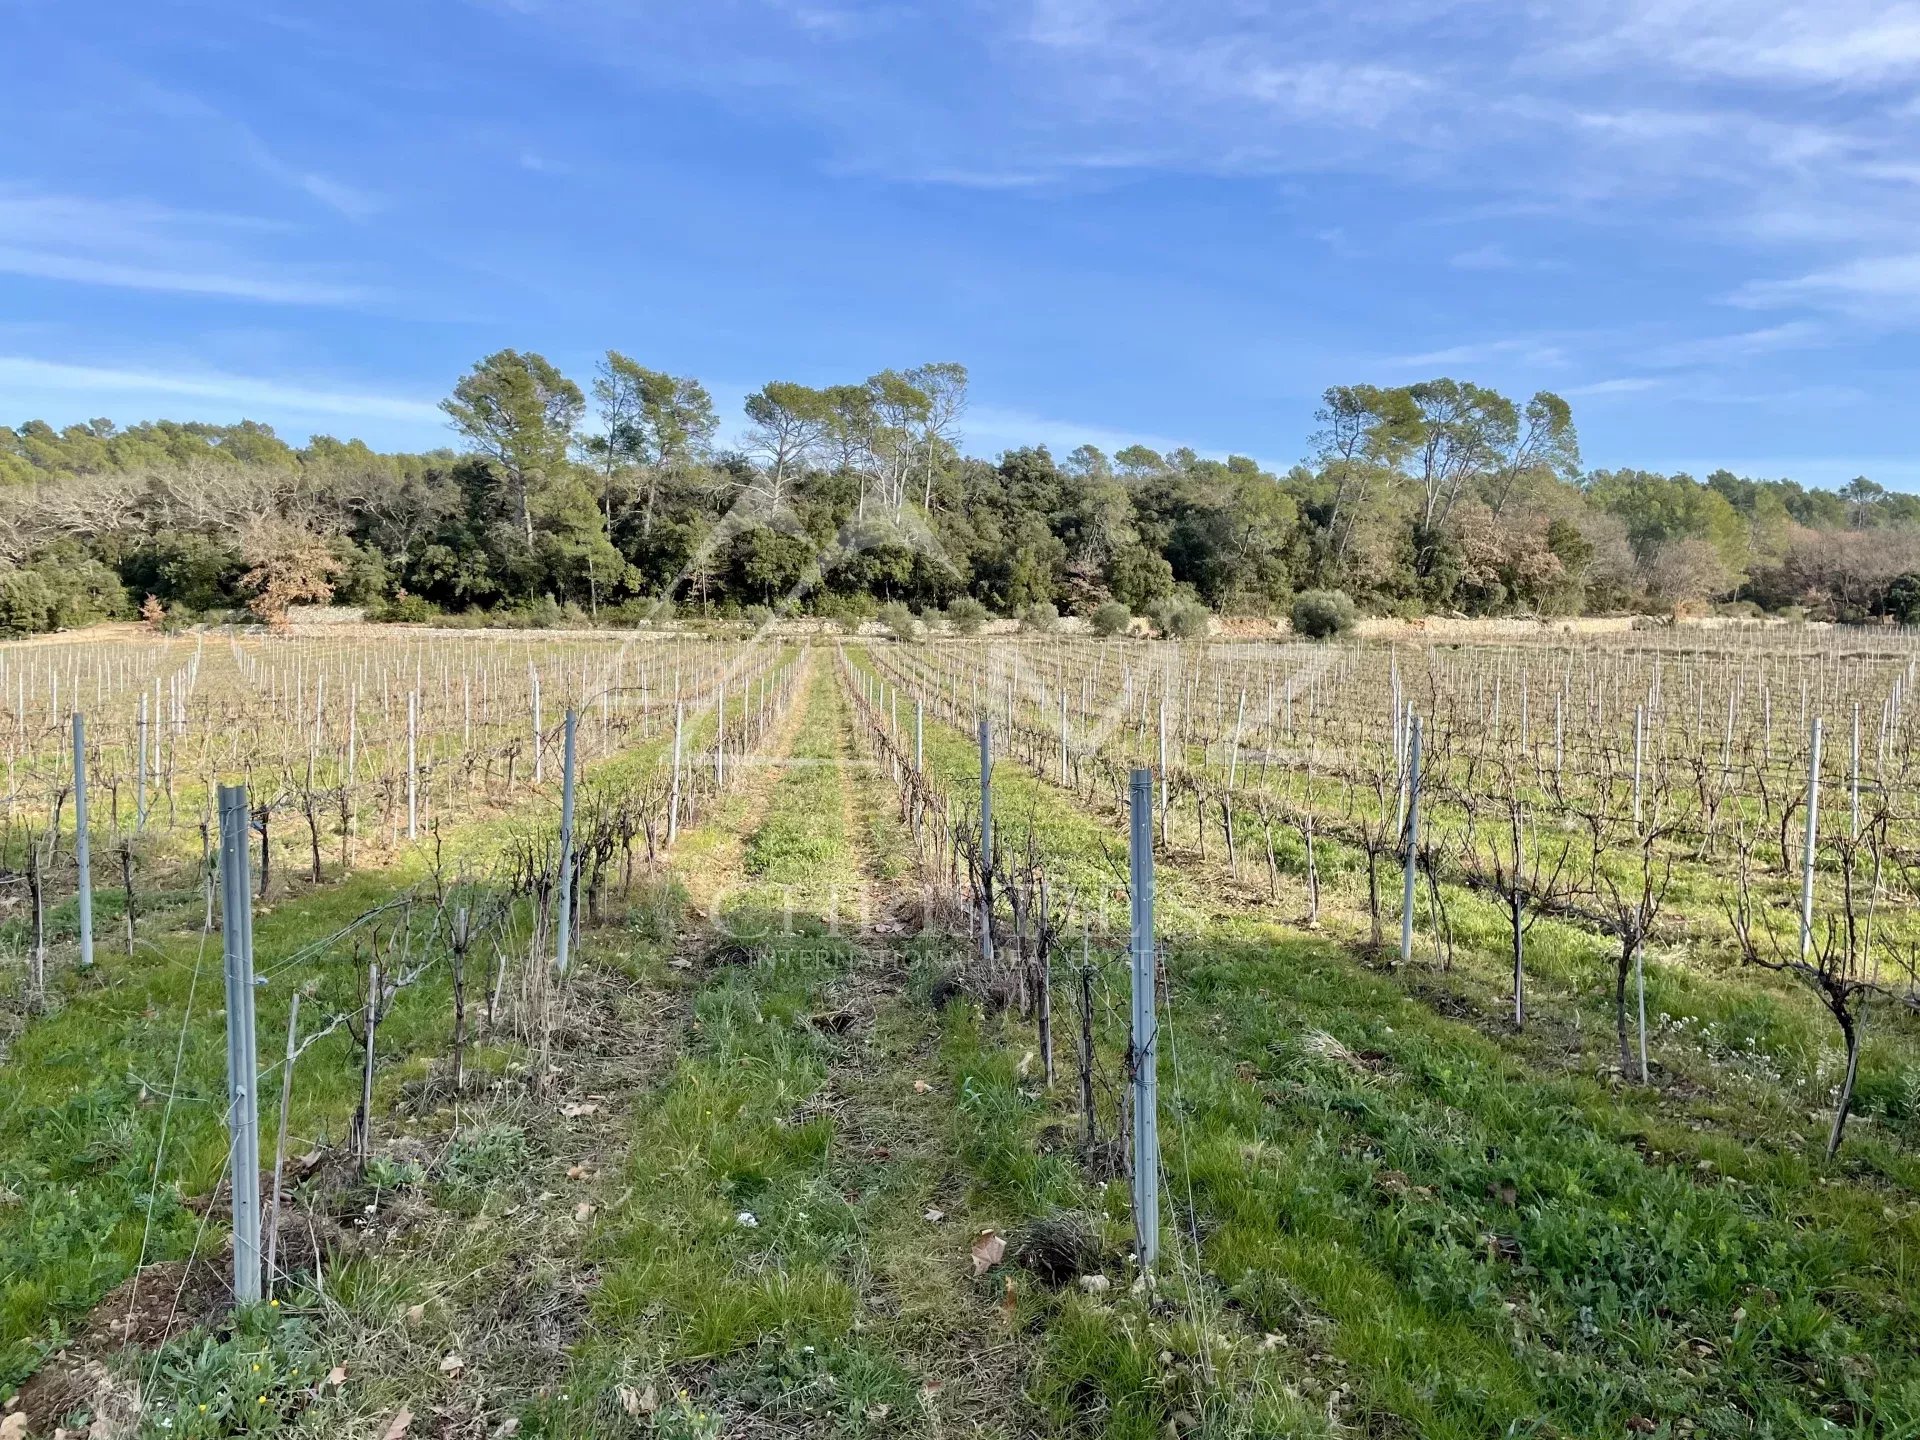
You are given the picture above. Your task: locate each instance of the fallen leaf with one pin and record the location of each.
(583, 1211)
(14, 1427)
(1008, 1307)
(573, 1111)
(989, 1248)
(401, 1424)
(452, 1365)
(336, 1377)
(1025, 1067)
(637, 1402)
(416, 1313)
(920, 1087)
(578, 1172)
(934, 1215)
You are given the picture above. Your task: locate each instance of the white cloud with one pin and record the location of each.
(107, 388)
(1745, 345)
(1833, 42)
(1522, 350)
(141, 246)
(1874, 286)
(86, 270)
(1495, 256)
(246, 142)
(1623, 385)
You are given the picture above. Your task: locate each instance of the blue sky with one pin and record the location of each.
(1175, 222)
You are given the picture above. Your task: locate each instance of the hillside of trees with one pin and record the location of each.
(616, 502)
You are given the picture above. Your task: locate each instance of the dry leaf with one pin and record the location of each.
(574, 1111)
(934, 1215)
(637, 1402)
(508, 1426)
(336, 1377)
(989, 1248)
(452, 1365)
(401, 1424)
(1008, 1306)
(578, 1172)
(920, 1087)
(583, 1212)
(1025, 1067)
(416, 1313)
(14, 1427)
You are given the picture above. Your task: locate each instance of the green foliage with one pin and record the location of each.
(901, 622)
(1111, 618)
(487, 1157)
(966, 615)
(253, 1380)
(1180, 618)
(407, 609)
(1903, 598)
(61, 588)
(1042, 618)
(1440, 495)
(1320, 614)
(27, 603)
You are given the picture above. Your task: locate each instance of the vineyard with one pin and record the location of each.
(481, 1035)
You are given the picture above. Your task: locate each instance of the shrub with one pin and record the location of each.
(403, 609)
(757, 615)
(849, 610)
(1179, 618)
(1111, 618)
(966, 615)
(544, 613)
(899, 620)
(1318, 614)
(1042, 619)
(1903, 598)
(27, 603)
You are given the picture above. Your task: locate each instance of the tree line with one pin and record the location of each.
(620, 503)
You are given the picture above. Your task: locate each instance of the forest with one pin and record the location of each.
(628, 501)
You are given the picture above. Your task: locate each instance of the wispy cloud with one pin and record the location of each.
(106, 385)
(1741, 346)
(1622, 385)
(1521, 350)
(88, 270)
(137, 245)
(1875, 286)
(1495, 256)
(1844, 42)
(244, 140)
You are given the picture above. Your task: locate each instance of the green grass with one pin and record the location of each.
(99, 1163)
(733, 1272)
(1379, 1220)
(1739, 1289)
